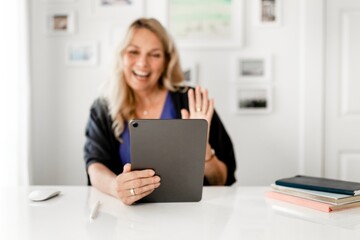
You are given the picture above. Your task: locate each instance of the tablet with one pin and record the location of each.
(175, 150)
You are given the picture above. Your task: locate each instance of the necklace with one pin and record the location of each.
(152, 105)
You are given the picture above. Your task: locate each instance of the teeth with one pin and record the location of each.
(141, 74)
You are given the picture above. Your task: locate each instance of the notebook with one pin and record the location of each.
(321, 184)
(175, 150)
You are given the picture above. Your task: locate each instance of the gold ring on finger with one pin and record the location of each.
(132, 192)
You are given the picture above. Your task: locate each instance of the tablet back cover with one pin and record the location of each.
(175, 149)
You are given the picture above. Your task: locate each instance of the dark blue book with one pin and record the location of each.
(321, 184)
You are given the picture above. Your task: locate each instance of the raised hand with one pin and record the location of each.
(200, 107)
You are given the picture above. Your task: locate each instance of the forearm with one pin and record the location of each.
(102, 178)
(215, 170)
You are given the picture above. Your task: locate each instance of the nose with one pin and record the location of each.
(142, 61)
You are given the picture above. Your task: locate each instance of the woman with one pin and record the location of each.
(149, 84)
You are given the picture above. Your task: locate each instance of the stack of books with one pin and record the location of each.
(322, 194)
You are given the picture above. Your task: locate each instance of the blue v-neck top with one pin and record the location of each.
(168, 112)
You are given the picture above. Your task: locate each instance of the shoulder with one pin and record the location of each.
(180, 97)
(100, 108)
(100, 104)
(181, 91)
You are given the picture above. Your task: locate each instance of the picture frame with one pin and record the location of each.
(221, 24)
(253, 99)
(119, 8)
(191, 74)
(268, 13)
(57, 1)
(252, 68)
(81, 54)
(60, 23)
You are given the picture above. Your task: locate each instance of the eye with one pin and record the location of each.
(156, 55)
(133, 52)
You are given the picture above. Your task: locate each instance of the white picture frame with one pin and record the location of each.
(81, 54)
(268, 13)
(60, 23)
(118, 9)
(191, 74)
(252, 68)
(253, 99)
(210, 33)
(58, 1)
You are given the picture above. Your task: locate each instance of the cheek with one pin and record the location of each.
(160, 66)
(127, 66)
(126, 61)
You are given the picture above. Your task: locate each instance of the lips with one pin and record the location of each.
(141, 74)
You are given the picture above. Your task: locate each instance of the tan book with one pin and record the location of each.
(320, 206)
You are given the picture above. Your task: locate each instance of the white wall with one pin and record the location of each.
(267, 146)
(14, 94)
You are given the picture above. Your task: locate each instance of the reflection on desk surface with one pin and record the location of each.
(224, 213)
(347, 218)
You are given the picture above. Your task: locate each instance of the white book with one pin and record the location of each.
(326, 197)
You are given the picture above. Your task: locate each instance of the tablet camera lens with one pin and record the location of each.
(135, 124)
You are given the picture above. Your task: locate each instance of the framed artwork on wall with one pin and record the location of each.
(119, 8)
(81, 54)
(268, 13)
(58, 1)
(206, 24)
(60, 23)
(253, 68)
(253, 99)
(191, 74)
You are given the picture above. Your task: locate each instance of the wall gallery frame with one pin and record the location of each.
(81, 54)
(118, 8)
(253, 99)
(268, 13)
(191, 74)
(253, 68)
(206, 24)
(60, 23)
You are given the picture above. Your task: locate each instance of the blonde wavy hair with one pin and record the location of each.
(120, 97)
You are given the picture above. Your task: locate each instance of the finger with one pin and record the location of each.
(143, 189)
(184, 114)
(127, 189)
(141, 182)
(197, 98)
(133, 175)
(210, 111)
(191, 98)
(130, 200)
(127, 168)
(205, 102)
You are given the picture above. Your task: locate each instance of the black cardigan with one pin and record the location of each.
(101, 145)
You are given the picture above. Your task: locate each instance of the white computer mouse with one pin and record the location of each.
(43, 194)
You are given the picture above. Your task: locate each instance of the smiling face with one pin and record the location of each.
(144, 61)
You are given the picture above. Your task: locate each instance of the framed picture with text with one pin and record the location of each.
(206, 24)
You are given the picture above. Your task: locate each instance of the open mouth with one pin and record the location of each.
(141, 74)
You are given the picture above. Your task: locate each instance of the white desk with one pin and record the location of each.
(224, 213)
